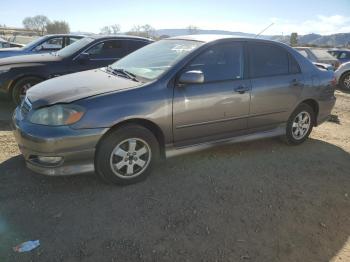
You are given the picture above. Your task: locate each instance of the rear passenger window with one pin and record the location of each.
(108, 50)
(134, 45)
(220, 62)
(267, 60)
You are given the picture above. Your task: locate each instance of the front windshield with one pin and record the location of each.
(34, 43)
(153, 60)
(76, 46)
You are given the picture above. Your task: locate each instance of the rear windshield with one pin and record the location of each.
(322, 54)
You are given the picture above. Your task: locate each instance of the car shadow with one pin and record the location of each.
(6, 111)
(260, 200)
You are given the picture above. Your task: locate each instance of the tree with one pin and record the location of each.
(106, 30)
(192, 29)
(110, 29)
(143, 31)
(57, 27)
(115, 29)
(294, 39)
(37, 23)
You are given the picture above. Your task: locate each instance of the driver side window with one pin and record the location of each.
(111, 49)
(52, 44)
(220, 62)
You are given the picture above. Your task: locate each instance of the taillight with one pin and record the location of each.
(334, 81)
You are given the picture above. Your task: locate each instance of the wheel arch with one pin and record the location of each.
(314, 105)
(151, 126)
(19, 78)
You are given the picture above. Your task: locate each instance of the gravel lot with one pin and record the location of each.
(256, 201)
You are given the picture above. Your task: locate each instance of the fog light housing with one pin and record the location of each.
(50, 160)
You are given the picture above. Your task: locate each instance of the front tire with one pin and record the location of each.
(126, 155)
(20, 88)
(344, 81)
(300, 124)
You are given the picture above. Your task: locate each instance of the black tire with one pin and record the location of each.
(342, 83)
(289, 137)
(18, 89)
(111, 141)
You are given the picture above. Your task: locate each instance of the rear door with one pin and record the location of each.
(276, 84)
(219, 107)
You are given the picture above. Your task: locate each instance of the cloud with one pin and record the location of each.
(324, 25)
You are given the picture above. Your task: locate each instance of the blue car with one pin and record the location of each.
(342, 55)
(45, 44)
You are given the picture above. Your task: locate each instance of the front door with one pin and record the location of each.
(219, 107)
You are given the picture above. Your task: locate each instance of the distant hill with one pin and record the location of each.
(309, 39)
(177, 32)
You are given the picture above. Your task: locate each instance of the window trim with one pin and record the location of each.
(290, 59)
(289, 56)
(243, 45)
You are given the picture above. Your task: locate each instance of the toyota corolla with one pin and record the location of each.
(173, 96)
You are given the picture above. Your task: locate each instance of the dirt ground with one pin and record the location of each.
(256, 201)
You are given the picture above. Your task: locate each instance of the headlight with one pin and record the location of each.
(57, 115)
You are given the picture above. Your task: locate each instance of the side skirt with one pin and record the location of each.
(172, 151)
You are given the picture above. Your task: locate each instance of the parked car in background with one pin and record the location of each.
(45, 44)
(342, 75)
(324, 66)
(173, 96)
(318, 55)
(7, 44)
(19, 73)
(342, 55)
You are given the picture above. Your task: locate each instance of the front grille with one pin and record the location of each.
(25, 107)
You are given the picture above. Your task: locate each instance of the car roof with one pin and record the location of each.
(206, 38)
(57, 35)
(120, 37)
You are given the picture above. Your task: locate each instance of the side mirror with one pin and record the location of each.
(83, 57)
(192, 77)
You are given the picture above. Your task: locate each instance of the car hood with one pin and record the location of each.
(68, 88)
(11, 51)
(36, 58)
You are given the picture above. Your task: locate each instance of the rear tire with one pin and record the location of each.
(20, 88)
(344, 81)
(126, 155)
(300, 124)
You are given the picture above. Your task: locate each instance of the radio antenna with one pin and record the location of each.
(264, 30)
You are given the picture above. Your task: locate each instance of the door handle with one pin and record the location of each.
(242, 89)
(295, 82)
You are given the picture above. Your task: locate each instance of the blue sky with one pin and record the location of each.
(307, 16)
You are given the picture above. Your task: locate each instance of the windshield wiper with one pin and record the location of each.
(122, 72)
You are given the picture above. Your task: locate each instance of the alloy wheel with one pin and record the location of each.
(301, 125)
(346, 82)
(130, 158)
(24, 90)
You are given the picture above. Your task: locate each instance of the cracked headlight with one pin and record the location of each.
(57, 115)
